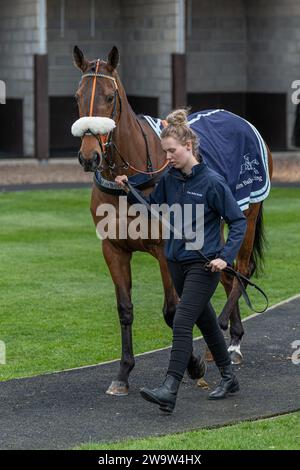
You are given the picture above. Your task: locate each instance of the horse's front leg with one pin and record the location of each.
(118, 262)
(171, 298)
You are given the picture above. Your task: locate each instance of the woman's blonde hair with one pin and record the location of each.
(178, 128)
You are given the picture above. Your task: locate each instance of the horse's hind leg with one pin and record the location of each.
(245, 265)
(118, 262)
(236, 326)
(196, 366)
(236, 335)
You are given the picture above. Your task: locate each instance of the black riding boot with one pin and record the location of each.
(165, 395)
(228, 384)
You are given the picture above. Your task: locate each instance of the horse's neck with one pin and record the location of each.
(131, 143)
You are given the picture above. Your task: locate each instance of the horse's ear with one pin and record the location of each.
(113, 58)
(79, 59)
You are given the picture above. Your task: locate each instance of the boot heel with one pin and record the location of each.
(235, 388)
(167, 408)
(165, 395)
(229, 384)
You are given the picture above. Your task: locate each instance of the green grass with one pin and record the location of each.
(280, 433)
(58, 307)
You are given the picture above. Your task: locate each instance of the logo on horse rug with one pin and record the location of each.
(234, 148)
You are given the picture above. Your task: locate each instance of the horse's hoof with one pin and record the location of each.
(117, 388)
(208, 356)
(196, 368)
(236, 357)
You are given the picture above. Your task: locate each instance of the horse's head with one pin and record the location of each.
(98, 102)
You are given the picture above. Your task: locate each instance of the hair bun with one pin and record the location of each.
(177, 118)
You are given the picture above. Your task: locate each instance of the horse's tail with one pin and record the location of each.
(257, 257)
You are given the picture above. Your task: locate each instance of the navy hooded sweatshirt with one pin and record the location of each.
(202, 186)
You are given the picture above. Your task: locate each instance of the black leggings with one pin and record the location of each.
(195, 287)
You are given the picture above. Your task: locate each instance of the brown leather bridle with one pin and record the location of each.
(105, 140)
(102, 138)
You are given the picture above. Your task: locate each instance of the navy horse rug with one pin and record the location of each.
(234, 148)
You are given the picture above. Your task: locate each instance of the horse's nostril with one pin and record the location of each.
(96, 158)
(89, 164)
(80, 158)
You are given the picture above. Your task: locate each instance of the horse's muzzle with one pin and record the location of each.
(90, 164)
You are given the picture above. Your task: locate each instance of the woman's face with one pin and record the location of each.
(178, 155)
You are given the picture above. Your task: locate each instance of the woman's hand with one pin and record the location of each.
(217, 265)
(120, 180)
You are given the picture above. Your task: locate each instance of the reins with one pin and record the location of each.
(105, 141)
(240, 277)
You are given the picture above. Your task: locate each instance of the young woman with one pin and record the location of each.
(190, 181)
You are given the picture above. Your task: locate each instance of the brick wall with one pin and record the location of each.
(216, 46)
(143, 30)
(236, 45)
(95, 41)
(232, 45)
(149, 39)
(274, 49)
(19, 40)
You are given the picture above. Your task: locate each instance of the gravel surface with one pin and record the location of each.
(287, 171)
(29, 171)
(63, 410)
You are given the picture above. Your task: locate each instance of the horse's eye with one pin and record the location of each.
(110, 98)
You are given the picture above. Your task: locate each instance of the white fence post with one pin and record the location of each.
(2, 353)
(2, 92)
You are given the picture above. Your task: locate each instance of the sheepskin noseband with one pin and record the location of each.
(95, 125)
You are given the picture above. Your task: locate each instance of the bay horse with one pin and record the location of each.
(129, 147)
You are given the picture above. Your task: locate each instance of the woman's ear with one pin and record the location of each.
(189, 145)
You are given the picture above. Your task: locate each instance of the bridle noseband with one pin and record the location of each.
(106, 140)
